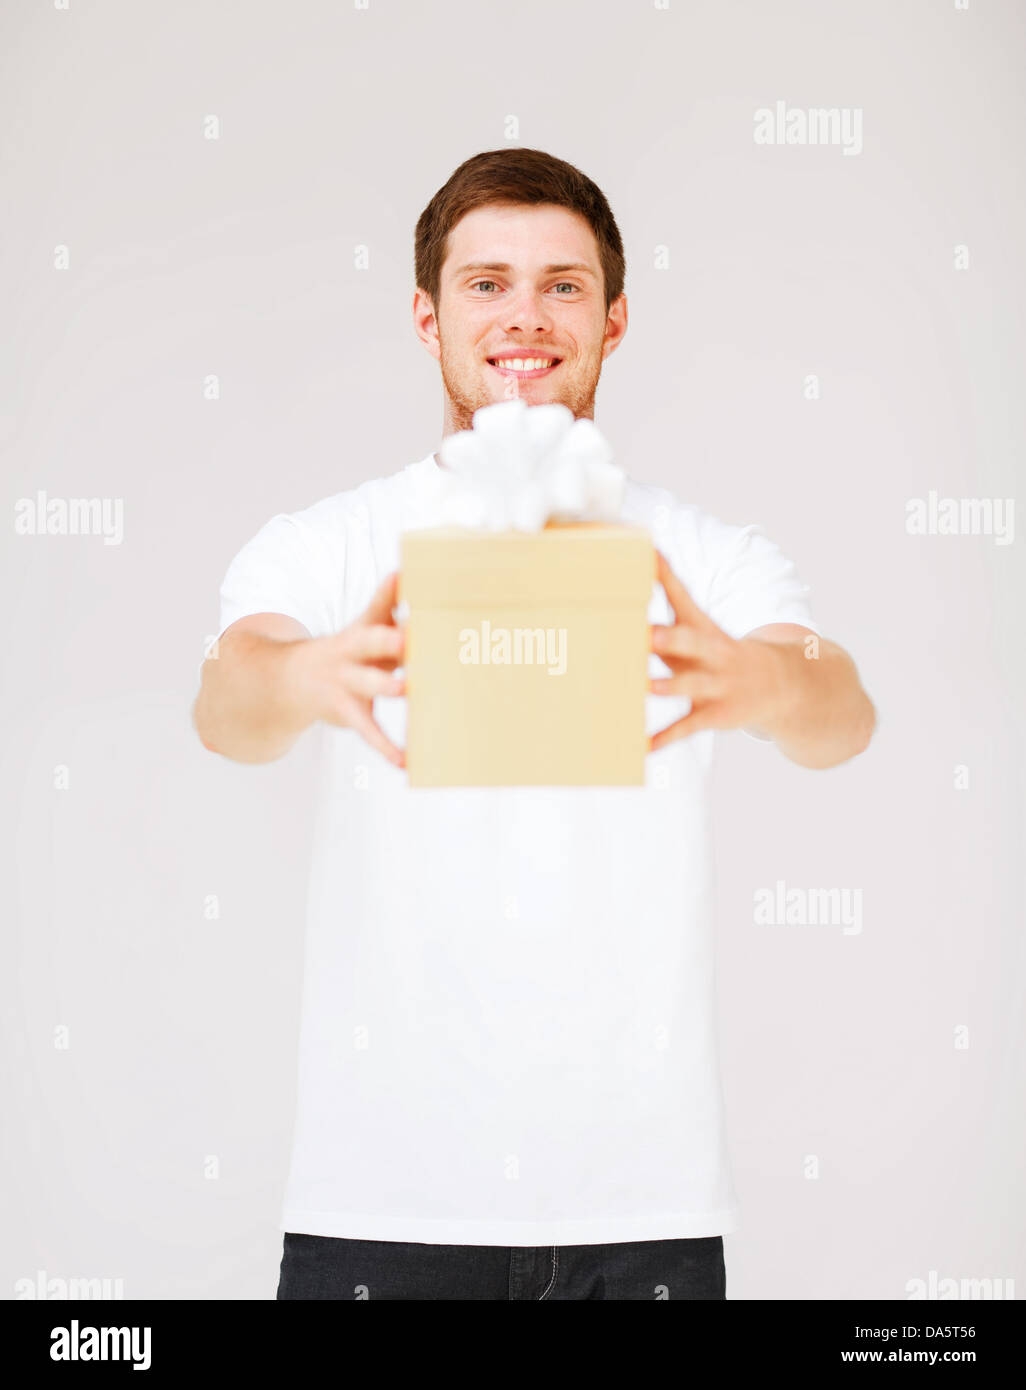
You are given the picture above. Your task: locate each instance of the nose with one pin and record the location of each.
(526, 309)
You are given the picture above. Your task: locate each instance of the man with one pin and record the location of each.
(508, 1081)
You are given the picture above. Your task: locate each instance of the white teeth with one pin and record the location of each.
(523, 364)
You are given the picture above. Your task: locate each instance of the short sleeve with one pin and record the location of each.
(757, 584)
(280, 570)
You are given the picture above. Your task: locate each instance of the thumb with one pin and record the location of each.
(685, 609)
(383, 600)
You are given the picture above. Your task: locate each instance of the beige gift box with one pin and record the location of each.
(527, 655)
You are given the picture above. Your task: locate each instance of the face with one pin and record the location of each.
(520, 283)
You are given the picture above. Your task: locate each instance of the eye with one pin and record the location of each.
(569, 284)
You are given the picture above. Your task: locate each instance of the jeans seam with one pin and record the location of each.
(555, 1266)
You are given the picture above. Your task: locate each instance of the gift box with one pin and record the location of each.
(526, 654)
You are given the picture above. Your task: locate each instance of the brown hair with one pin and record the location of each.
(514, 175)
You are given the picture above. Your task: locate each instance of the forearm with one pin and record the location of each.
(249, 708)
(819, 714)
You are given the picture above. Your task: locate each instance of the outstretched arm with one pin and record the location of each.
(782, 681)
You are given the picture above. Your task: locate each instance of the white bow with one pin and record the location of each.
(521, 465)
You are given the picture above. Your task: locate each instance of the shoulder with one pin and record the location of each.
(695, 542)
(358, 509)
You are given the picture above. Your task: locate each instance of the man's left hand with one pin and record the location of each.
(731, 683)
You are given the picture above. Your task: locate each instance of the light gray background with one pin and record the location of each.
(235, 257)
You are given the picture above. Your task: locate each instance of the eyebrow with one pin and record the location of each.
(546, 270)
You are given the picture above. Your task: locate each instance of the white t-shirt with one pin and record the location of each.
(508, 1032)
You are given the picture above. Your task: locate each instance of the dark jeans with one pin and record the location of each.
(329, 1267)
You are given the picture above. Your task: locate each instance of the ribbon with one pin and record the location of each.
(520, 466)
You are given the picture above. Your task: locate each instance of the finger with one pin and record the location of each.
(368, 681)
(696, 685)
(677, 643)
(375, 642)
(692, 723)
(384, 663)
(383, 600)
(365, 726)
(683, 605)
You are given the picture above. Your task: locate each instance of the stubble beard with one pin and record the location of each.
(578, 396)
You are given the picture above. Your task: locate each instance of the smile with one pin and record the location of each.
(524, 366)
